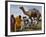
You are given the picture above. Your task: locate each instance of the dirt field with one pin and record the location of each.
(33, 28)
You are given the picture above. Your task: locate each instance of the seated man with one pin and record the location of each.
(18, 23)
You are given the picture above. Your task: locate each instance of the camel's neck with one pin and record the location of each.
(23, 10)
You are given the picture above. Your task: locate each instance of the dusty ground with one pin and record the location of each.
(33, 28)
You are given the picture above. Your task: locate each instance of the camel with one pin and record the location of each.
(32, 13)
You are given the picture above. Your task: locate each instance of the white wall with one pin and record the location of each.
(2, 18)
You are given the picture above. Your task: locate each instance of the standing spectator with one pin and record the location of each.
(12, 23)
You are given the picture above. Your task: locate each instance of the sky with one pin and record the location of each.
(15, 10)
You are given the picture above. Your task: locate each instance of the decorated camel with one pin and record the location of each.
(32, 13)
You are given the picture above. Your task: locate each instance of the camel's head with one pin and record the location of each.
(21, 7)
